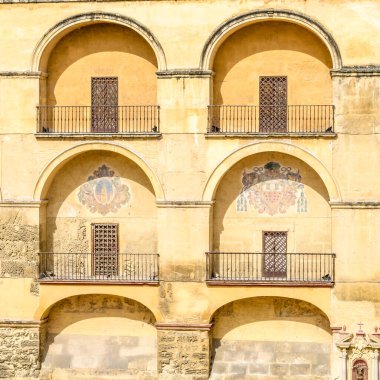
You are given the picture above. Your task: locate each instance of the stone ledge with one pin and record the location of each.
(184, 326)
(269, 135)
(184, 204)
(271, 284)
(185, 73)
(356, 71)
(23, 74)
(355, 205)
(97, 136)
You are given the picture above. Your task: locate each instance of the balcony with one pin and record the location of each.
(271, 120)
(98, 120)
(130, 268)
(279, 269)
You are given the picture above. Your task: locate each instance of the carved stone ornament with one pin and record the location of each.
(272, 189)
(362, 354)
(104, 192)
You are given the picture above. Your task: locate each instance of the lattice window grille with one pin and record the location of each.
(275, 248)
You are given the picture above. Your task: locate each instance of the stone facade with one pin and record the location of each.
(270, 360)
(183, 354)
(19, 351)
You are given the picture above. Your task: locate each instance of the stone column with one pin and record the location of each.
(376, 365)
(344, 364)
(183, 351)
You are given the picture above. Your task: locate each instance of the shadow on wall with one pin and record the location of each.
(267, 48)
(100, 332)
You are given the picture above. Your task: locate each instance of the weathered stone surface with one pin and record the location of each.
(269, 360)
(19, 352)
(18, 246)
(183, 353)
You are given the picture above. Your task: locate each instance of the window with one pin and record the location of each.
(105, 249)
(273, 101)
(274, 249)
(104, 102)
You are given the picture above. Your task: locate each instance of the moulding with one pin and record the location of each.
(6, 323)
(184, 326)
(356, 71)
(18, 203)
(218, 135)
(230, 25)
(23, 74)
(96, 136)
(185, 73)
(355, 205)
(184, 204)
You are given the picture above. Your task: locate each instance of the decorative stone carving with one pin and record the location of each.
(272, 189)
(359, 355)
(103, 192)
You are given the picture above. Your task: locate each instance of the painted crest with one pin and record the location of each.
(103, 192)
(272, 188)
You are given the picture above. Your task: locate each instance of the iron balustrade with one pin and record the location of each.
(98, 119)
(313, 268)
(243, 119)
(129, 267)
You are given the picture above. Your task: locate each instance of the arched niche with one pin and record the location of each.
(232, 25)
(47, 43)
(99, 333)
(100, 50)
(270, 336)
(274, 48)
(100, 187)
(271, 191)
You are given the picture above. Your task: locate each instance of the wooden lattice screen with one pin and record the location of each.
(273, 100)
(104, 102)
(274, 248)
(105, 245)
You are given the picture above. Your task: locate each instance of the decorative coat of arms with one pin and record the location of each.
(272, 188)
(103, 192)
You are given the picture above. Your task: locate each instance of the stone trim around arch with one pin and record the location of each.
(233, 24)
(58, 31)
(49, 172)
(270, 146)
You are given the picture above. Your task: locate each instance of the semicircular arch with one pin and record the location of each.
(54, 297)
(49, 172)
(270, 146)
(57, 32)
(233, 24)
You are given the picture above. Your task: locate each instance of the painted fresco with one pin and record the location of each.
(104, 192)
(272, 189)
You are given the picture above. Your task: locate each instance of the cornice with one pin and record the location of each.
(356, 71)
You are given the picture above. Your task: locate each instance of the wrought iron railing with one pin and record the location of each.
(270, 267)
(270, 119)
(98, 119)
(126, 267)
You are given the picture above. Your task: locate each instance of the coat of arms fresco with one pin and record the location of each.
(272, 189)
(104, 192)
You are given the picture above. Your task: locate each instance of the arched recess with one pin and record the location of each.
(57, 163)
(251, 336)
(47, 43)
(271, 146)
(232, 25)
(95, 331)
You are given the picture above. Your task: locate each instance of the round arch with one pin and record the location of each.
(238, 22)
(300, 296)
(58, 31)
(53, 296)
(270, 146)
(57, 163)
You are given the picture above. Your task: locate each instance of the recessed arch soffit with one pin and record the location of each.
(61, 29)
(232, 25)
(54, 166)
(271, 147)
